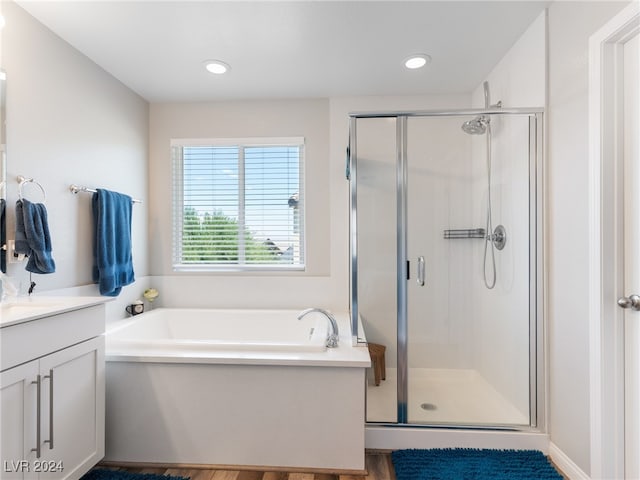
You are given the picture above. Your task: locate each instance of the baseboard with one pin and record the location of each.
(240, 468)
(565, 464)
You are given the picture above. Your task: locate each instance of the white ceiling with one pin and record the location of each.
(289, 49)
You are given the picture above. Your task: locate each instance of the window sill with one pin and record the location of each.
(240, 269)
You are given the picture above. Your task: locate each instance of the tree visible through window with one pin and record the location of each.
(238, 205)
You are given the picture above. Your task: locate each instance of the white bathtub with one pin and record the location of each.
(208, 330)
(235, 387)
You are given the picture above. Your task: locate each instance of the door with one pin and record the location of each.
(631, 256)
(439, 185)
(470, 301)
(18, 395)
(614, 165)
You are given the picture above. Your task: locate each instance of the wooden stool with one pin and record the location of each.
(376, 352)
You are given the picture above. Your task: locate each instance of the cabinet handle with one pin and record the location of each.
(38, 383)
(50, 377)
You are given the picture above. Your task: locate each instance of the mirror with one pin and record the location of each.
(3, 174)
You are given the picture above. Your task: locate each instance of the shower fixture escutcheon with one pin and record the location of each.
(498, 237)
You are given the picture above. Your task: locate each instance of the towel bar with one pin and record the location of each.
(80, 188)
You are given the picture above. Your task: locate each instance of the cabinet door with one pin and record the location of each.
(73, 410)
(18, 398)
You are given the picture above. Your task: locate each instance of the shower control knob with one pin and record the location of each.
(632, 302)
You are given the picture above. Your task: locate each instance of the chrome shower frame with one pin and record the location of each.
(537, 415)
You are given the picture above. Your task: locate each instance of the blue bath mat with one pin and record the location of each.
(103, 474)
(472, 464)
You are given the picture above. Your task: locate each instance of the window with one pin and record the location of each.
(238, 204)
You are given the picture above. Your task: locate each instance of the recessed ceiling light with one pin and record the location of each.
(417, 61)
(216, 66)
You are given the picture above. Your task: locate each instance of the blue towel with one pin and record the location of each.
(21, 245)
(32, 235)
(3, 234)
(112, 260)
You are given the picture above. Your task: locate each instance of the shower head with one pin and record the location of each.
(477, 126)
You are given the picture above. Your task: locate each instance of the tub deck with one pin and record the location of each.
(207, 336)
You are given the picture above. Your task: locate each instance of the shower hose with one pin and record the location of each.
(490, 279)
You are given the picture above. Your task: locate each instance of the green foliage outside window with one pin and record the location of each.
(213, 238)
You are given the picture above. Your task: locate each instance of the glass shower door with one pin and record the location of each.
(468, 345)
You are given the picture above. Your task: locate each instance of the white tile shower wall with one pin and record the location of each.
(501, 316)
(68, 121)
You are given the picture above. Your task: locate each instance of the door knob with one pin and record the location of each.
(632, 302)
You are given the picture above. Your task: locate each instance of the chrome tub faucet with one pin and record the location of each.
(332, 337)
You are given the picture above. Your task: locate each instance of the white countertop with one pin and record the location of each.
(25, 309)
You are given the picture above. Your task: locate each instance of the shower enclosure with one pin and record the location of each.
(446, 264)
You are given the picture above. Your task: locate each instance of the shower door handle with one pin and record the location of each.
(421, 271)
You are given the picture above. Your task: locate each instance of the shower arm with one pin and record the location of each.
(485, 87)
(487, 98)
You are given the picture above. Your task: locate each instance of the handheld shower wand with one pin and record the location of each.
(479, 126)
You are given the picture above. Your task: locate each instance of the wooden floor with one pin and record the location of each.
(378, 465)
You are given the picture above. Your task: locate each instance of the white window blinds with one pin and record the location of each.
(238, 204)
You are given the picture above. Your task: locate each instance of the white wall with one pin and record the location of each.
(68, 121)
(320, 284)
(570, 25)
(519, 79)
(501, 315)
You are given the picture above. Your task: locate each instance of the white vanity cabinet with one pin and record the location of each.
(52, 395)
(17, 420)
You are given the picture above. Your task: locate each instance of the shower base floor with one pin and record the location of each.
(451, 396)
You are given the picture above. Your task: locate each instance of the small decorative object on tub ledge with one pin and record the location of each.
(150, 294)
(136, 308)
